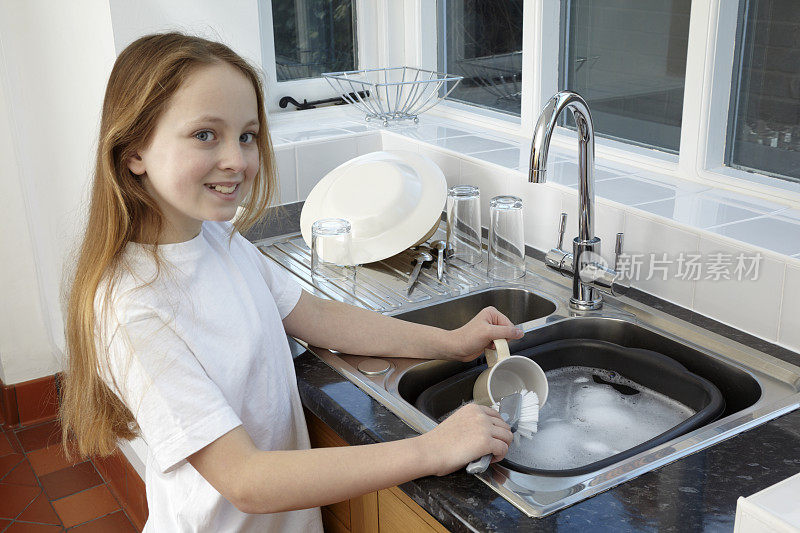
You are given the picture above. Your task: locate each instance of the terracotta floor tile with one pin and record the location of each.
(9, 462)
(27, 527)
(39, 436)
(15, 498)
(50, 459)
(113, 523)
(5, 446)
(40, 511)
(12, 438)
(84, 506)
(22, 475)
(70, 480)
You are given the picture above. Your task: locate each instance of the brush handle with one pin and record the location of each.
(479, 465)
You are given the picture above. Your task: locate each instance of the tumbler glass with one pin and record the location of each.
(506, 239)
(464, 223)
(330, 250)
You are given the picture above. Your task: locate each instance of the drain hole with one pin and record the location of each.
(622, 389)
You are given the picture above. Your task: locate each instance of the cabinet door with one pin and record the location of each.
(397, 513)
(385, 511)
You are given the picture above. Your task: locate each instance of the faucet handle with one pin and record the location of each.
(562, 228)
(618, 250)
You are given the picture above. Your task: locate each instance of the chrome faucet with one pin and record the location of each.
(584, 264)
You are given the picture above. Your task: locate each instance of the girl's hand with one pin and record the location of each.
(468, 434)
(470, 340)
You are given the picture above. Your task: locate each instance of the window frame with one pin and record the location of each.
(368, 52)
(707, 101)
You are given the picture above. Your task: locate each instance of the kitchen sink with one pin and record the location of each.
(518, 304)
(756, 387)
(739, 389)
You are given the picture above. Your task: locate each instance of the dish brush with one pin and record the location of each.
(529, 414)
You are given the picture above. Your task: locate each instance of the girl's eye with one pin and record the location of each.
(204, 136)
(247, 137)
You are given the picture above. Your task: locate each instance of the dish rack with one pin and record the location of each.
(392, 94)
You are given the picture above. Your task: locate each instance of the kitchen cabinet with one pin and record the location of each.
(385, 511)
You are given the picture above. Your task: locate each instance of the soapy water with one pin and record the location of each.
(586, 419)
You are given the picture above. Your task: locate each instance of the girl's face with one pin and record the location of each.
(202, 157)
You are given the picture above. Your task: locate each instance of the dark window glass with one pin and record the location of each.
(482, 41)
(628, 60)
(312, 37)
(765, 128)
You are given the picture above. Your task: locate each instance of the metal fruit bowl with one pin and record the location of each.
(390, 94)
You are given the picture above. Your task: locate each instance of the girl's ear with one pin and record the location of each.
(136, 164)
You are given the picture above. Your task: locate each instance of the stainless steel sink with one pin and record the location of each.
(518, 304)
(756, 386)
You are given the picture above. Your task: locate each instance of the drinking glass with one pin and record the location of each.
(506, 239)
(330, 250)
(464, 223)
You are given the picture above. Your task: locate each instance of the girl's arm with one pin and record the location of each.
(349, 329)
(257, 481)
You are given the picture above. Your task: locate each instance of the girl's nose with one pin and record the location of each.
(232, 158)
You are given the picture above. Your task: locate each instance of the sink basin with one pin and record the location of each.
(518, 304)
(739, 389)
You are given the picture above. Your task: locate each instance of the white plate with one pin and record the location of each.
(392, 199)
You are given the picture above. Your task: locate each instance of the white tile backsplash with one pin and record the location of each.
(450, 164)
(396, 142)
(315, 160)
(789, 331)
(645, 236)
(751, 305)
(541, 209)
(490, 180)
(286, 169)
(366, 144)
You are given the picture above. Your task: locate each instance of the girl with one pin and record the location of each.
(176, 324)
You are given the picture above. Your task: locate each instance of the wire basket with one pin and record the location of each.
(390, 94)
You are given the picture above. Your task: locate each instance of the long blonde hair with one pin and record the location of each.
(144, 78)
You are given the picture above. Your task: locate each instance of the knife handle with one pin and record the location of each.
(479, 465)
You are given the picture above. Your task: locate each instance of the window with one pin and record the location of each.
(312, 37)
(628, 60)
(482, 41)
(764, 133)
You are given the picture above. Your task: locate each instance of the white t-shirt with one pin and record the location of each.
(196, 353)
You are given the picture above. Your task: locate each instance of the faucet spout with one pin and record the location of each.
(586, 246)
(540, 146)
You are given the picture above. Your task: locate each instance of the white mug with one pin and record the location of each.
(508, 374)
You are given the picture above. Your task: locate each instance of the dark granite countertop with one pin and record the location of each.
(695, 493)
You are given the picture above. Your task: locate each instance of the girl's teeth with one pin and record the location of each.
(223, 189)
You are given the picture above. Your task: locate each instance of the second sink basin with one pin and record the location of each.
(518, 304)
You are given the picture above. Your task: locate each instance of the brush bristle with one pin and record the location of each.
(529, 414)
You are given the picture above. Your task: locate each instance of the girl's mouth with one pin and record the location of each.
(223, 189)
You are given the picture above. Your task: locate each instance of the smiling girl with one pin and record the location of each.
(176, 325)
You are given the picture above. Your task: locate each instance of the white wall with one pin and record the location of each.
(233, 22)
(55, 58)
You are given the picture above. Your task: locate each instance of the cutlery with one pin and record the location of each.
(419, 258)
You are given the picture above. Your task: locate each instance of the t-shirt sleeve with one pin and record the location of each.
(179, 409)
(284, 289)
